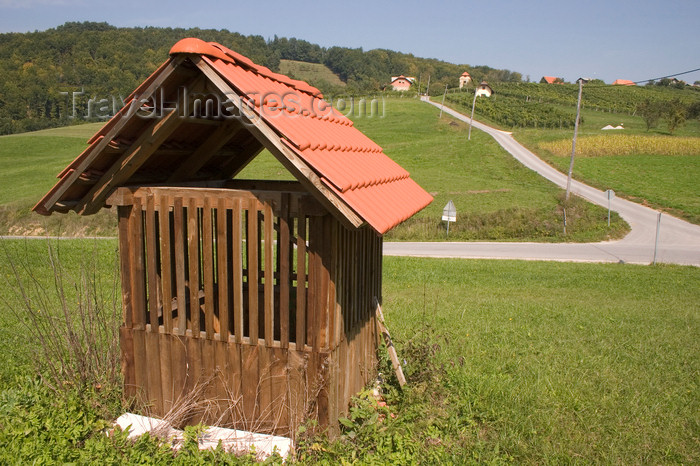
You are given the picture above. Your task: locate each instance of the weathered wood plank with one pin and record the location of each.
(237, 259)
(278, 386)
(265, 415)
(125, 269)
(155, 387)
(252, 245)
(269, 275)
(166, 372)
(250, 384)
(126, 345)
(222, 266)
(193, 255)
(138, 296)
(284, 268)
(141, 366)
(166, 262)
(301, 281)
(152, 271)
(179, 225)
(211, 324)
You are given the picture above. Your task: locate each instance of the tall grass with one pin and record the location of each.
(623, 144)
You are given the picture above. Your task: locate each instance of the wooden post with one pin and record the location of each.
(389, 344)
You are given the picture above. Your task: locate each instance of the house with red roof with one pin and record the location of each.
(551, 80)
(464, 80)
(623, 82)
(402, 83)
(252, 299)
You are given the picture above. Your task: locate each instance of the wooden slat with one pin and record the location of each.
(312, 306)
(210, 323)
(278, 388)
(209, 378)
(126, 346)
(166, 373)
(152, 268)
(194, 370)
(237, 260)
(125, 263)
(253, 281)
(301, 281)
(222, 371)
(138, 302)
(264, 417)
(193, 255)
(250, 383)
(166, 263)
(222, 266)
(284, 267)
(233, 382)
(269, 289)
(298, 388)
(140, 365)
(180, 266)
(155, 388)
(178, 364)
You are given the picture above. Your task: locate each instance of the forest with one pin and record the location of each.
(83, 70)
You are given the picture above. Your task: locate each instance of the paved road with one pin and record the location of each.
(679, 241)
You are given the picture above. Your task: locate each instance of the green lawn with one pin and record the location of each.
(507, 361)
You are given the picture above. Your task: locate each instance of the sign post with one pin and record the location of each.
(611, 195)
(449, 214)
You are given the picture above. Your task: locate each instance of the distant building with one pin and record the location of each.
(464, 80)
(623, 82)
(550, 80)
(484, 89)
(402, 83)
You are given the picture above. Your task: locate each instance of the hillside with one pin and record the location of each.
(50, 76)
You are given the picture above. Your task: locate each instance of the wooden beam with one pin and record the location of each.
(120, 171)
(215, 141)
(115, 128)
(292, 162)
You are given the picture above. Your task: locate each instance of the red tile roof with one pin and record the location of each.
(346, 161)
(623, 82)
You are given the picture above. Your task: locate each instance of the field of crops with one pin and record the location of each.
(534, 105)
(624, 144)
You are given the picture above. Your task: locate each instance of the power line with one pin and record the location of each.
(669, 76)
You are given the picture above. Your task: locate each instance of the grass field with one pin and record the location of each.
(507, 361)
(313, 73)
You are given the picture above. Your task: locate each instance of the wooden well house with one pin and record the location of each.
(250, 300)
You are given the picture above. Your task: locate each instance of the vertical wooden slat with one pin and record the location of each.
(126, 345)
(193, 254)
(313, 329)
(325, 265)
(284, 266)
(233, 382)
(237, 259)
(138, 297)
(264, 417)
(269, 287)
(125, 264)
(222, 373)
(166, 263)
(222, 268)
(152, 265)
(250, 383)
(301, 280)
(155, 388)
(166, 373)
(278, 384)
(179, 223)
(140, 364)
(253, 276)
(210, 325)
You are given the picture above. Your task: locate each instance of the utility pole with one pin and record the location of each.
(443, 101)
(573, 144)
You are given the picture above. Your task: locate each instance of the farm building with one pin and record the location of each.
(551, 80)
(402, 83)
(464, 80)
(253, 298)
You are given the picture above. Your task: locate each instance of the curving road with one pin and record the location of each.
(679, 241)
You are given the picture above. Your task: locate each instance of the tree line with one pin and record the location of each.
(67, 73)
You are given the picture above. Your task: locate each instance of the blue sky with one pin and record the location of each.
(635, 40)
